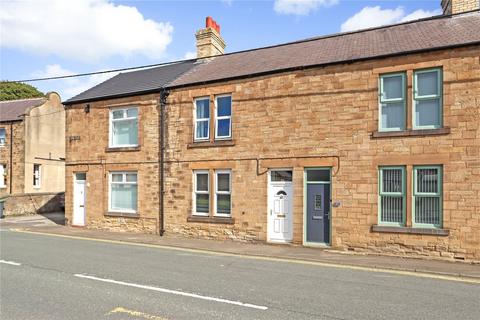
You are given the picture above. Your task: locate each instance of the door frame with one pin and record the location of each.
(85, 199)
(269, 181)
(305, 183)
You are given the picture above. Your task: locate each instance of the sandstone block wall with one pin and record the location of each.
(87, 151)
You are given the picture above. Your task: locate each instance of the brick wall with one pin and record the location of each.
(459, 6)
(332, 112)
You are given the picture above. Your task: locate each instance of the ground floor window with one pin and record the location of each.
(427, 196)
(392, 195)
(219, 199)
(424, 188)
(123, 192)
(201, 199)
(223, 193)
(37, 171)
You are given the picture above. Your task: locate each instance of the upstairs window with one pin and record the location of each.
(202, 119)
(201, 197)
(37, 175)
(123, 192)
(223, 200)
(223, 117)
(392, 199)
(427, 99)
(124, 127)
(427, 196)
(3, 137)
(392, 102)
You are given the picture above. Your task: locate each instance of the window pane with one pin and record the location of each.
(427, 210)
(223, 128)
(393, 116)
(391, 209)
(125, 133)
(203, 109)
(427, 112)
(202, 181)
(202, 203)
(393, 87)
(131, 177)
(132, 113)
(223, 203)
(281, 176)
(202, 129)
(223, 182)
(81, 176)
(117, 177)
(318, 175)
(124, 197)
(224, 105)
(427, 180)
(427, 83)
(392, 180)
(117, 114)
(2, 136)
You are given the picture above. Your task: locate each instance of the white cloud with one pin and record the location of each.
(376, 16)
(190, 55)
(67, 87)
(300, 7)
(83, 30)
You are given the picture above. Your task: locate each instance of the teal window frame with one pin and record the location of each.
(438, 194)
(382, 100)
(438, 96)
(403, 194)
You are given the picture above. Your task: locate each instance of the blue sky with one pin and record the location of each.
(57, 37)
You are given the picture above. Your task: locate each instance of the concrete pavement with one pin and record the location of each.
(51, 277)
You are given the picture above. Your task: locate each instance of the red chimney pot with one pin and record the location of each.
(209, 22)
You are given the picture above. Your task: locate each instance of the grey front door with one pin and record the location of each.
(318, 213)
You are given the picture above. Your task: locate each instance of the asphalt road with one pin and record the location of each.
(46, 277)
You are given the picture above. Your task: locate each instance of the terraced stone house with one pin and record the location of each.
(364, 141)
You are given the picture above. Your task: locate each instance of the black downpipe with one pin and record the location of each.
(10, 174)
(163, 104)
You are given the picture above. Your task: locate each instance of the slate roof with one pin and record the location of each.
(423, 35)
(417, 36)
(135, 82)
(14, 109)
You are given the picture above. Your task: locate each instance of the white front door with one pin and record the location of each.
(280, 206)
(79, 199)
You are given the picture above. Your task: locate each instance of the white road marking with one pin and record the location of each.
(180, 293)
(10, 262)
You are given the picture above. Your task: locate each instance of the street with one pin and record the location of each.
(49, 277)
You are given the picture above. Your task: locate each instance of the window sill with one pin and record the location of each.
(121, 214)
(122, 149)
(411, 230)
(208, 219)
(410, 133)
(210, 144)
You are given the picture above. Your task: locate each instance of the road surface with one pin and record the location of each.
(51, 277)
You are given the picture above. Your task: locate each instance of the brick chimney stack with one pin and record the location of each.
(209, 41)
(459, 6)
